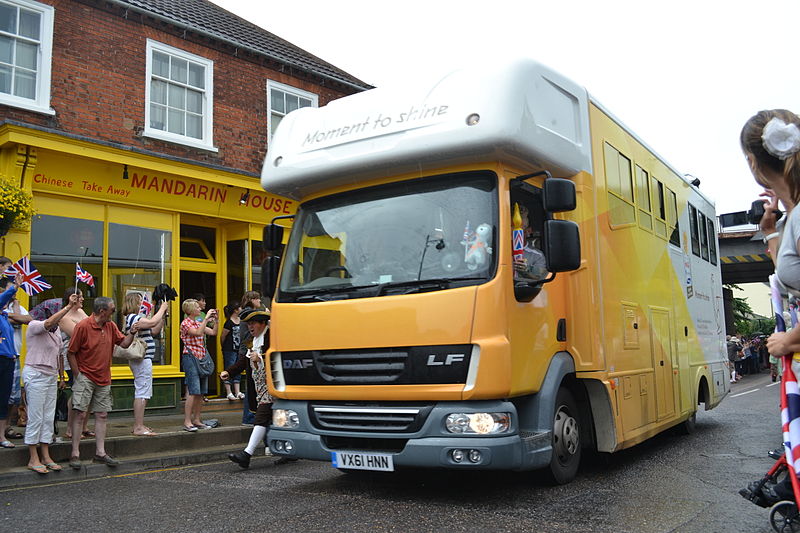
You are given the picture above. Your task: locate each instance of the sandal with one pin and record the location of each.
(53, 466)
(6, 444)
(88, 434)
(11, 434)
(39, 469)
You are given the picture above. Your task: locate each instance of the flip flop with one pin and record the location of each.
(190, 429)
(53, 466)
(39, 469)
(6, 444)
(88, 434)
(146, 433)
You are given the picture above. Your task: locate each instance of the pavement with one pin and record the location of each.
(172, 446)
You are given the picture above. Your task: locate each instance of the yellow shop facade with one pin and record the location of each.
(134, 220)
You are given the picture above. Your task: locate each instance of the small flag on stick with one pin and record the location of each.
(84, 276)
(146, 306)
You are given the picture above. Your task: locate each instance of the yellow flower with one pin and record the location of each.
(16, 204)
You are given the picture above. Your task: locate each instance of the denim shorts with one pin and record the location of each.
(230, 358)
(194, 383)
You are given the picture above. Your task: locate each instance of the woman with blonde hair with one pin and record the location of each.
(142, 369)
(193, 336)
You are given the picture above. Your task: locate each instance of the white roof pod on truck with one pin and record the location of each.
(520, 111)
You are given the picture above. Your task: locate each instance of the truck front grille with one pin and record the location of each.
(391, 365)
(395, 419)
(361, 368)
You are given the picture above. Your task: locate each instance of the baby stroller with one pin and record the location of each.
(781, 480)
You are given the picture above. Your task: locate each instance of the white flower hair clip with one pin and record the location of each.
(781, 139)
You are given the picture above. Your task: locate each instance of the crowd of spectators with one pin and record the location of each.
(749, 355)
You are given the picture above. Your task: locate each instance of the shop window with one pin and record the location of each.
(237, 252)
(198, 243)
(283, 99)
(619, 181)
(179, 96)
(26, 44)
(259, 255)
(138, 260)
(57, 243)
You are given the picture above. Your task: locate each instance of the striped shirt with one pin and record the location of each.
(145, 334)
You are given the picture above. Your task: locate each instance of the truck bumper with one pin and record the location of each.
(430, 447)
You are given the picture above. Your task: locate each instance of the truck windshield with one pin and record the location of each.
(415, 236)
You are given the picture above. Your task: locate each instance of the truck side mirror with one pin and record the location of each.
(562, 244)
(269, 275)
(559, 195)
(272, 238)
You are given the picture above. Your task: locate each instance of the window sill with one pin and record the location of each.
(123, 371)
(184, 141)
(27, 106)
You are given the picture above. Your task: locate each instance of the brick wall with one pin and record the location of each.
(98, 85)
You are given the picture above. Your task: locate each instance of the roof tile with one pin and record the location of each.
(214, 21)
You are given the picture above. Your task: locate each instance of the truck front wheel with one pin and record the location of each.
(566, 439)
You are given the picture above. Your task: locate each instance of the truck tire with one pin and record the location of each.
(566, 439)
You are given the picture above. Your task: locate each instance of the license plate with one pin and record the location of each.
(362, 461)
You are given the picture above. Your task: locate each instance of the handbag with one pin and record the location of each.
(62, 411)
(134, 352)
(205, 366)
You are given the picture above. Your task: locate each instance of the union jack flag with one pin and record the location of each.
(84, 276)
(467, 233)
(518, 238)
(790, 394)
(146, 306)
(32, 280)
(790, 416)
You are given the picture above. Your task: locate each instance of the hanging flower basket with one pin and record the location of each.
(5, 225)
(16, 206)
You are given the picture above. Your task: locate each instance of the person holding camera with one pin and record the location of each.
(193, 334)
(771, 143)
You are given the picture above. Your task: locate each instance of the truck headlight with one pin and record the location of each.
(478, 423)
(285, 418)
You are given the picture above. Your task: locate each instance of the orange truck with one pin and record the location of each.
(486, 271)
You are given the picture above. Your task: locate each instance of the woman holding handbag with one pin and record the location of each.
(194, 358)
(142, 369)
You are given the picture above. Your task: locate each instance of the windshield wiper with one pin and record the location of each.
(325, 294)
(418, 285)
(370, 291)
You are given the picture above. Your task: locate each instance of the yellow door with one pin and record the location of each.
(661, 342)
